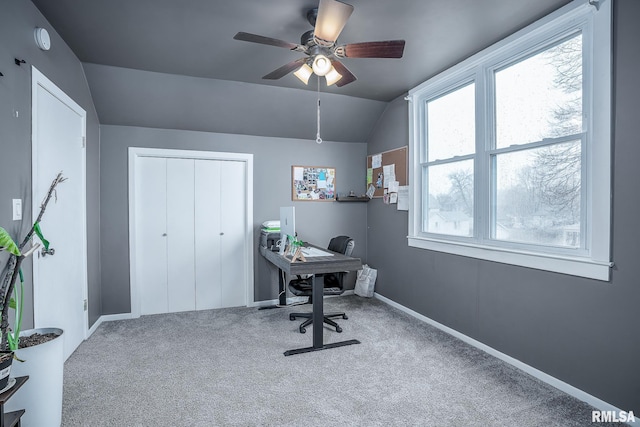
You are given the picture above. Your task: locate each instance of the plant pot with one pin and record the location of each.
(6, 358)
(41, 395)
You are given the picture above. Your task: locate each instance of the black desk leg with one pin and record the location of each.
(318, 323)
(318, 312)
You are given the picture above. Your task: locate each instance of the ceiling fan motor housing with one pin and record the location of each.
(307, 38)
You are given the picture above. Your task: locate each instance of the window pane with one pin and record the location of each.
(451, 124)
(538, 196)
(540, 97)
(450, 201)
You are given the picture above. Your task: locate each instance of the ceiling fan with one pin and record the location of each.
(323, 55)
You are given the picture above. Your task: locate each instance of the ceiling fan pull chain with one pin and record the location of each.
(318, 139)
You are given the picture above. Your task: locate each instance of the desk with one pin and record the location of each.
(313, 266)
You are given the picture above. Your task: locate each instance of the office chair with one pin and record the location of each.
(333, 285)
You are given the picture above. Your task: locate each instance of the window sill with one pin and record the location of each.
(581, 267)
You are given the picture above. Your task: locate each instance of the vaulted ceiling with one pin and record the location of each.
(194, 38)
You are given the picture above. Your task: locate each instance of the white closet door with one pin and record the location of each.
(207, 239)
(190, 234)
(233, 219)
(181, 291)
(151, 238)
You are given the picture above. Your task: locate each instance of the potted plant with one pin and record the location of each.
(41, 396)
(6, 351)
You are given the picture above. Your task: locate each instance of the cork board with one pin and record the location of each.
(398, 157)
(313, 183)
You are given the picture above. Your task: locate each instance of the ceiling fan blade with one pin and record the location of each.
(254, 38)
(332, 16)
(285, 69)
(382, 49)
(347, 76)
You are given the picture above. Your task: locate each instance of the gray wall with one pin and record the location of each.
(583, 332)
(128, 97)
(17, 22)
(316, 222)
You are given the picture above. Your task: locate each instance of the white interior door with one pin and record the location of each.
(207, 238)
(220, 234)
(190, 218)
(232, 220)
(181, 287)
(151, 235)
(60, 280)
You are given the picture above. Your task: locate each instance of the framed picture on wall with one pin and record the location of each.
(313, 183)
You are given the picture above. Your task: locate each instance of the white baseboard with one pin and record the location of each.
(107, 318)
(600, 405)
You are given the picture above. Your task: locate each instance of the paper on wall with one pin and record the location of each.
(403, 198)
(389, 174)
(376, 161)
(370, 191)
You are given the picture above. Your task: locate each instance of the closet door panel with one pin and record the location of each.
(151, 239)
(233, 220)
(207, 238)
(180, 235)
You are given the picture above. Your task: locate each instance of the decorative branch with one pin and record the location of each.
(15, 261)
(43, 206)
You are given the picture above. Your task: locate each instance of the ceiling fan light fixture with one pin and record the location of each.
(303, 73)
(321, 65)
(332, 17)
(332, 76)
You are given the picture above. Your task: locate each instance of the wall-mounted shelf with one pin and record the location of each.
(352, 199)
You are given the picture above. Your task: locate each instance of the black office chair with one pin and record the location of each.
(333, 285)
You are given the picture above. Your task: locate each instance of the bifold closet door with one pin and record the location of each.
(181, 292)
(151, 234)
(190, 241)
(233, 218)
(165, 235)
(219, 241)
(207, 242)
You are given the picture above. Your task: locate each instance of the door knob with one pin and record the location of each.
(164, 234)
(46, 252)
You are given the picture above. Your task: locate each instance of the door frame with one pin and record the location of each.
(247, 158)
(40, 80)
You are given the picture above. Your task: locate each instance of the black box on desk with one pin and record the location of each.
(269, 240)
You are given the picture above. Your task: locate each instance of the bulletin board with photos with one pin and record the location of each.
(313, 183)
(385, 169)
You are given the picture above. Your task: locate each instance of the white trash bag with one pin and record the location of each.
(366, 281)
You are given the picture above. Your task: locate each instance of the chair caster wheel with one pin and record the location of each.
(338, 329)
(292, 317)
(344, 316)
(303, 330)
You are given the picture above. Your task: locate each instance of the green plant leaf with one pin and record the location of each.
(7, 243)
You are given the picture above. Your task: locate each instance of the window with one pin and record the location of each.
(510, 149)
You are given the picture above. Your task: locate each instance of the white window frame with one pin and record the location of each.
(593, 18)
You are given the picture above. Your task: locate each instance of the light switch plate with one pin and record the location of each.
(17, 209)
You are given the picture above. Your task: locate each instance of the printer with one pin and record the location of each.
(270, 235)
